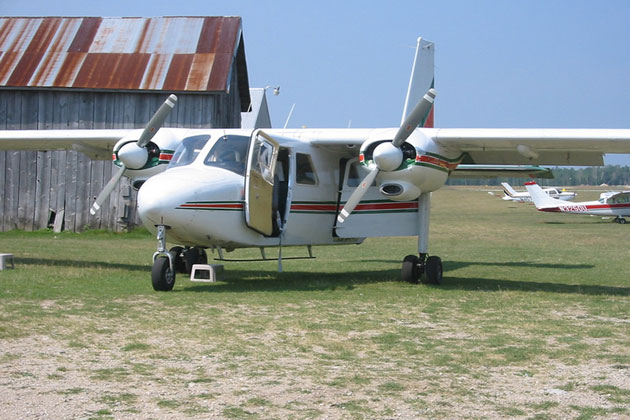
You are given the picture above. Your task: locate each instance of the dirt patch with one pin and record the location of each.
(44, 377)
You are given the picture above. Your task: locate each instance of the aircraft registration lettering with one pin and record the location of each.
(574, 208)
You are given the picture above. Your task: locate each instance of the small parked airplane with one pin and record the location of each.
(524, 197)
(225, 189)
(615, 203)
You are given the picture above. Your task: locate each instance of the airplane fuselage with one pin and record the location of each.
(595, 208)
(202, 201)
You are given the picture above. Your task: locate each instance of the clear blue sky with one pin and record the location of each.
(530, 63)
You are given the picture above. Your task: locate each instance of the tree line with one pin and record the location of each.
(594, 175)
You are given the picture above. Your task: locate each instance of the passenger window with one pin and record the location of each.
(353, 176)
(305, 171)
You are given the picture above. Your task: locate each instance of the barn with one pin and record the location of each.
(93, 72)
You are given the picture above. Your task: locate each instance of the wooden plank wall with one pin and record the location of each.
(38, 185)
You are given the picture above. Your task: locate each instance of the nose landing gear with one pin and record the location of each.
(176, 260)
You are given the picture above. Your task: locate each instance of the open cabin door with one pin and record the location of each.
(259, 182)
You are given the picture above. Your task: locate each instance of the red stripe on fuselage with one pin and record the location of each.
(583, 209)
(212, 206)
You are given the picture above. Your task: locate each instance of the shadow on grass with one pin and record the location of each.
(494, 285)
(270, 281)
(454, 265)
(251, 281)
(256, 281)
(81, 264)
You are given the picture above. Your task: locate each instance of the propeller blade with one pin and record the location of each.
(415, 117)
(156, 121)
(107, 191)
(357, 195)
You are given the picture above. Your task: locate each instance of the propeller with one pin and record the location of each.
(388, 156)
(134, 155)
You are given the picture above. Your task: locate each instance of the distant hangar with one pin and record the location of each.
(92, 72)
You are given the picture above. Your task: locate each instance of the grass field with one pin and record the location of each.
(532, 321)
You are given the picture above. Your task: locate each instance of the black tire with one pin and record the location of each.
(621, 221)
(176, 251)
(203, 257)
(410, 270)
(162, 278)
(433, 270)
(194, 256)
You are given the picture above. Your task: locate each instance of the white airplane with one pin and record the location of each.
(615, 203)
(225, 189)
(524, 197)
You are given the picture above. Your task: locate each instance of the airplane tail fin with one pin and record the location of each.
(540, 198)
(507, 188)
(421, 80)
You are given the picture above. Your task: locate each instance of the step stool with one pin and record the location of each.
(206, 273)
(5, 259)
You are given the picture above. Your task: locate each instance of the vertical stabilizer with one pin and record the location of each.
(507, 188)
(421, 80)
(540, 198)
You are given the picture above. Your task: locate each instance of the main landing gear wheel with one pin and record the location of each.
(162, 277)
(433, 270)
(178, 253)
(620, 220)
(414, 267)
(411, 269)
(194, 256)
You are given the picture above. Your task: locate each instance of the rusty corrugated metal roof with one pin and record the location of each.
(185, 54)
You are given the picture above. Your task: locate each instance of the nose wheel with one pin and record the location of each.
(413, 268)
(162, 276)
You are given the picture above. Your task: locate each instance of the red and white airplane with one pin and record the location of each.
(225, 189)
(615, 203)
(523, 197)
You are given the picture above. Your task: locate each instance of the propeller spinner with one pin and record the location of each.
(388, 156)
(134, 155)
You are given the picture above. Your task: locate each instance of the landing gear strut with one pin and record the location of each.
(163, 271)
(413, 267)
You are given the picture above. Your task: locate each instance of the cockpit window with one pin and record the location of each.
(229, 152)
(188, 150)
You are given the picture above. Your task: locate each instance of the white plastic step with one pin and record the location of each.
(206, 273)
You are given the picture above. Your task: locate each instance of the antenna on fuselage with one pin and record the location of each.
(289, 116)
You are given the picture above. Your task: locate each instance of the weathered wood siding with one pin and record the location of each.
(36, 185)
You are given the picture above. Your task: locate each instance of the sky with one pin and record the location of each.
(523, 64)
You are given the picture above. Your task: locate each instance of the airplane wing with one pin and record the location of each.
(97, 144)
(534, 146)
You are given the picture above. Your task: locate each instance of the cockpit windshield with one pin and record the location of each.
(188, 150)
(229, 152)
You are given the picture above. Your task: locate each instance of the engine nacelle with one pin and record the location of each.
(143, 163)
(400, 191)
